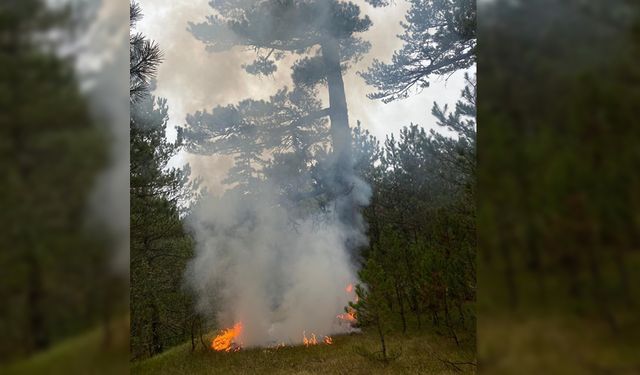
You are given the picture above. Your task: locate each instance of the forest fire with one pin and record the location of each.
(309, 341)
(225, 341)
(349, 288)
(228, 339)
(350, 315)
(313, 340)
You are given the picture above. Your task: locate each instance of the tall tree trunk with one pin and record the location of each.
(35, 296)
(156, 341)
(382, 342)
(461, 314)
(204, 345)
(401, 304)
(193, 334)
(418, 314)
(447, 317)
(37, 328)
(340, 134)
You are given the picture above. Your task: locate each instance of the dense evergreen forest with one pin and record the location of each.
(417, 268)
(543, 207)
(323, 249)
(557, 222)
(56, 281)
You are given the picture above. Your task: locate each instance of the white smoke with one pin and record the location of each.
(106, 53)
(99, 45)
(262, 263)
(280, 277)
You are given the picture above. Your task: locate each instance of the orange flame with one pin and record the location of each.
(349, 288)
(313, 340)
(225, 340)
(309, 341)
(350, 315)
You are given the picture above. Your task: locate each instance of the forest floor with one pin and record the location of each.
(87, 353)
(544, 344)
(423, 352)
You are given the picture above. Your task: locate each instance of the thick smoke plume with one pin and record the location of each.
(279, 266)
(102, 55)
(279, 276)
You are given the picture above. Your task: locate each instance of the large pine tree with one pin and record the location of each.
(324, 36)
(439, 38)
(160, 248)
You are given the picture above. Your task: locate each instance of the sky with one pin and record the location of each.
(192, 79)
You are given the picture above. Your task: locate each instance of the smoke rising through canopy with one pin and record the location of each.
(278, 272)
(192, 78)
(279, 276)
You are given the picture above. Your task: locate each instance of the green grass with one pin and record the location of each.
(417, 353)
(552, 332)
(558, 344)
(83, 354)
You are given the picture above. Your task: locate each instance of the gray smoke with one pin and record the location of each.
(106, 54)
(99, 45)
(279, 267)
(280, 276)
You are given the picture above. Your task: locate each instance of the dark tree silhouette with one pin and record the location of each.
(439, 38)
(145, 55)
(51, 153)
(323, 33)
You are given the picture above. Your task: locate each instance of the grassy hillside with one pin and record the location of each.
(511, 344)
(83, 354)
(416, 353)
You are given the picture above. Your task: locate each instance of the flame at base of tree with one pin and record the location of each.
(225, 341)
(350, 314)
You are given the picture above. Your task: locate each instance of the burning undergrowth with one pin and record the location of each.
(272, 280)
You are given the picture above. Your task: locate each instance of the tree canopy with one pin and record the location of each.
(439, 39)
